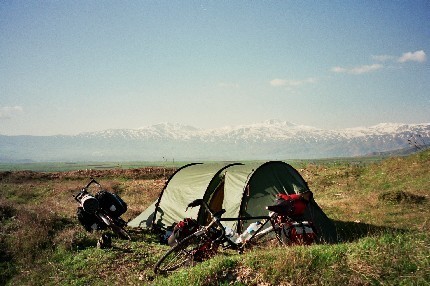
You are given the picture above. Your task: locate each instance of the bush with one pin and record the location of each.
(28, 231)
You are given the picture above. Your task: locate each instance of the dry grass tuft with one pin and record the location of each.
(401, 197)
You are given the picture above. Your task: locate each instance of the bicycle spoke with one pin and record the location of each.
(176, 261)
(179, 255)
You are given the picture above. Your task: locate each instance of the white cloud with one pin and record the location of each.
(338, 69)
(418, 56)
(358, 70)
(278, 82)
(383, 58)
(7, 112)
(292, 82)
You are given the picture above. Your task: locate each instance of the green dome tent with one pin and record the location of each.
(243, 190)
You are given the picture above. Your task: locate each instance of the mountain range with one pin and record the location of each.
(268, 140)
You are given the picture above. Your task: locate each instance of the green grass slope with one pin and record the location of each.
(381, 209)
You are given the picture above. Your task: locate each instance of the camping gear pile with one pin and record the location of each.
(243, 193)
(100, 212)
(243, 190)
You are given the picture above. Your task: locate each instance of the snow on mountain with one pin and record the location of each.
(387, 129)
(267, 130)
(158, 131)
(271, 139)
(270, 129)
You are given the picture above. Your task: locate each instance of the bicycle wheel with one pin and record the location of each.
(116, 225)
(185, 253)
(265, 238)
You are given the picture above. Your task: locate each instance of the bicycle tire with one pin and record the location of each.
(183, 253)
(267, 237)
(115, 226)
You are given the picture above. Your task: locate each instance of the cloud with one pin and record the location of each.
(228, 85)
(418, 56)
(358, 70)
(278, 82)
(383, 58)
(291, 82)
(6, 112)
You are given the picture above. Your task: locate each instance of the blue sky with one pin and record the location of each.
(74, 66)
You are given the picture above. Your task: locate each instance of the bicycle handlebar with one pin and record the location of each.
(84, 190)
(196, 203)
(214, 216)
(93, 181)
(201, 202)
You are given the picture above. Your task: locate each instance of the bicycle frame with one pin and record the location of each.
(260, 232)
(216, 221)
(201, 244)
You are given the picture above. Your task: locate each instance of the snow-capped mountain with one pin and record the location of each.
(269, 130)
(271, 139)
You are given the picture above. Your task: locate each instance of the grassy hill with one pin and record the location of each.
(381, 210)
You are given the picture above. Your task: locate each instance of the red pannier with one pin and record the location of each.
(298, 233)
(182, 229)
(289, 205)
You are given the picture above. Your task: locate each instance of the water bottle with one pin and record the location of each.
(231, 234)
(247, 234)
(228, 232)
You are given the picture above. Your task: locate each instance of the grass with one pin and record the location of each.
(386, 259)
(381, 209)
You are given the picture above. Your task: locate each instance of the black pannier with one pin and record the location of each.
(111, 203)
(89, 221)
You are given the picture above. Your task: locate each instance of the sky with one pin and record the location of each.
(68, 67)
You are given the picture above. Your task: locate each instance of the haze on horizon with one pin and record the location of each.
(76, 66)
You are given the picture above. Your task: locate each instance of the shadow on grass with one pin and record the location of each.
(349, 231)
(143, 235)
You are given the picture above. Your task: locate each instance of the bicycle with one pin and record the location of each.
(204, 243)
(101, 211)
